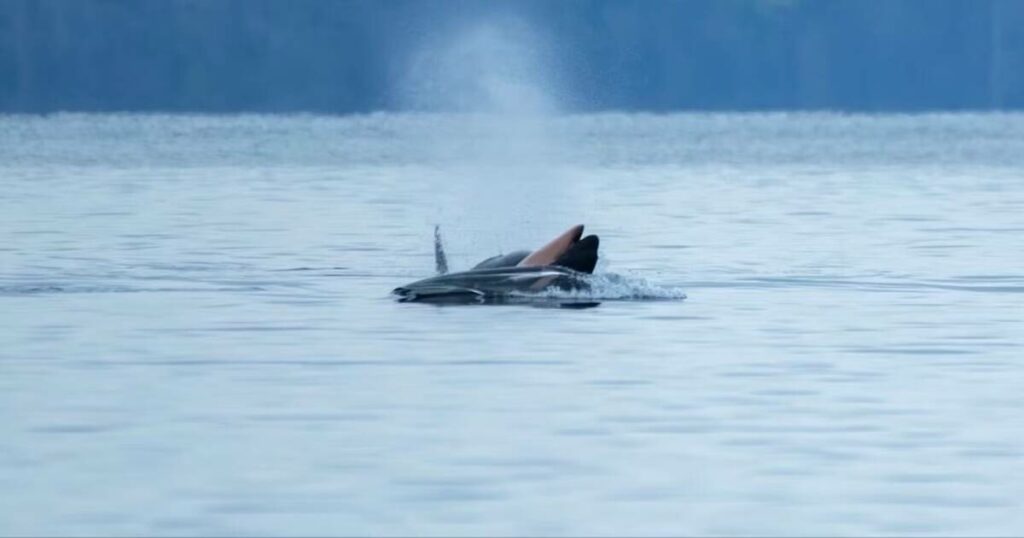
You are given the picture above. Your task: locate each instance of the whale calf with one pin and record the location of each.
(563, 263)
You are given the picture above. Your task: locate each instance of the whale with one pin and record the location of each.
(564, 263)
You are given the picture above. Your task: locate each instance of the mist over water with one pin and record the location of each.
(494, 66)
(497, 82)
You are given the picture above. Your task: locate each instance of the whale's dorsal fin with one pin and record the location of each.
(440, 260)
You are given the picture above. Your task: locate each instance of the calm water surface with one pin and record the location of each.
(196, 335)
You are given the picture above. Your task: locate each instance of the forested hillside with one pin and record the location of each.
(357, 56)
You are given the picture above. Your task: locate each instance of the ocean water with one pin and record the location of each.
(197, 337)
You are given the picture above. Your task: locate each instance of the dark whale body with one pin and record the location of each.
(505, 278)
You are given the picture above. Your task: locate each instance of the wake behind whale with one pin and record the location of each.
(559, 273)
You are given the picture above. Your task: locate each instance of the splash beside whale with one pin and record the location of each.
(565, 263)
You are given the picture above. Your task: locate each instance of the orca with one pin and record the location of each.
(563, 263)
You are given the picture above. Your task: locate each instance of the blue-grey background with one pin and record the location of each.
(346, 56)
(196, 336)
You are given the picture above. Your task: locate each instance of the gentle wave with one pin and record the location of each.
(44, 289)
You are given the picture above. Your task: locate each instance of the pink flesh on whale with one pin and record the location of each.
(550, 252)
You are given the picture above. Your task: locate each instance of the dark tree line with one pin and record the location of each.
(343, 56)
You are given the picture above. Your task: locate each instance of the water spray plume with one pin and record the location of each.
(486, 67)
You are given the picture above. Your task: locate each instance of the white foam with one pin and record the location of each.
(614, 286)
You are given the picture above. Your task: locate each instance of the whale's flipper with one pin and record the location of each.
(440, 294)
(440, 260)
